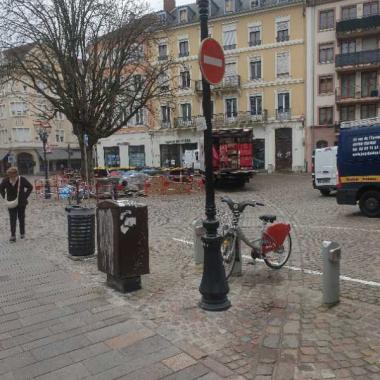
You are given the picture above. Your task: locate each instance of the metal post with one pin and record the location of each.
(214, 287)
(331, 254)
(68, 157)
(47, 185)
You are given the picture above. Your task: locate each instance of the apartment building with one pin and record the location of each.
(263, 88)
(343, 62)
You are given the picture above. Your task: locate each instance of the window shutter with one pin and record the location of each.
(283, 63)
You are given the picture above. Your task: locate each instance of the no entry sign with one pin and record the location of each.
(211, 61)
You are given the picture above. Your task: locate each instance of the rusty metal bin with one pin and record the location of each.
(123, 244)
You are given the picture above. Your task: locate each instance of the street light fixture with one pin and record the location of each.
(43, 130)
(214, 286)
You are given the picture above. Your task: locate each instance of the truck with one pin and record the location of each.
(232, 151)
(359, 168)
(324, 169)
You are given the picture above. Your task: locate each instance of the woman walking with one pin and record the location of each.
(16, 187)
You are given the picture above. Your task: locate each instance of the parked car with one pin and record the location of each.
(324, 169)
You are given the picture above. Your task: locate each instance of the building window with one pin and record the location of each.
(185, 79)
(282, 64)
(326, 116)
(137, 82)
(255, 4)
(229, 6)
(348, 85)
(255, 68)
(254, 36)
(283, 101)
(112, 157)
(230, 69)
(368, 110)
(162, 52)
(186, 111)
(369, 84)
(21, 134)
(326, 85)
(136, 154)
(139, 117)
(60, 135)
(165, 116)
(326, 53)
(59, 116)
(255, 102)
(18, 108)
(2, 111)
(347, 113)
(348, 46)
(282, 28)
(326, 19)
(231, 108)
(163, 81)
(183, 15)
(371, 9)
(229, 38)
(184, 48)
(321, 144)
(349, 13)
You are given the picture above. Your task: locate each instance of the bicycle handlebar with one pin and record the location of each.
(231, 203)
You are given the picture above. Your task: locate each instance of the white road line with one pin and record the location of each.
(335, 228)
(212, 61)
(297, 269)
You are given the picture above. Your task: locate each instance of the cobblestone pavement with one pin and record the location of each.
(59, 320)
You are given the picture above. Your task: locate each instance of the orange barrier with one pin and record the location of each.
(161, 185)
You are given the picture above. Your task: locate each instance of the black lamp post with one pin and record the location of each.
(43, 132)
(214, 287)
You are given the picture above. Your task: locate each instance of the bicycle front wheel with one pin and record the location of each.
(228, 250)
(277, 259)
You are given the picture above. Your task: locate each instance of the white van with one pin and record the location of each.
(324, 170)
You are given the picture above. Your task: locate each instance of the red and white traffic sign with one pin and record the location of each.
(211, 61)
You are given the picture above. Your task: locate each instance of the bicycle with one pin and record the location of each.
(274, 241)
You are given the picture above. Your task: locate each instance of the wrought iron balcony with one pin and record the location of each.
(356, 95)
(166, 124)
(255, 43)
(183, 54)
(283, 114)
(365, 25)
(238, 119)
(190, 122)
(230, 82)
(282, 38)
(163, 57)
(229, 47)
(367, 57)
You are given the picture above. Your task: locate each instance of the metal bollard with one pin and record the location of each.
(199, 231)
(331, 254)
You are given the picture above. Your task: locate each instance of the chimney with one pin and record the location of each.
(169, 5)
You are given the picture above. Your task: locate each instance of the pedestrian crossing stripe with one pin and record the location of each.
(360, 178)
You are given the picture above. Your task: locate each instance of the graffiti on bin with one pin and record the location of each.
(127, 221)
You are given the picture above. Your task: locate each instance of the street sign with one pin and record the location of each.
(211, 61)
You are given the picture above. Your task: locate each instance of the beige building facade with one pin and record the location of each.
(263, 88)
(343, 63)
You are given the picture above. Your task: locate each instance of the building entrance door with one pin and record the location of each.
(284, 146)
(25, 163)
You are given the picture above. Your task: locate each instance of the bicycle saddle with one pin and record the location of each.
(268, 218)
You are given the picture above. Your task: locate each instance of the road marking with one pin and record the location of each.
(297, 269)
(213, 61)
(335, 228)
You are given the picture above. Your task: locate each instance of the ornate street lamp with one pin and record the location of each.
(214, 287)
(43, 130)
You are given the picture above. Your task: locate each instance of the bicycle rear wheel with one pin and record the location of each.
(277, 259)
(228, 249)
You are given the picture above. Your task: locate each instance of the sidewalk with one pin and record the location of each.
(60, 321)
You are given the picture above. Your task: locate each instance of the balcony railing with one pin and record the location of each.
(229, 47)
(255, 43)
(163, 57)
(283, 114)
(360, 122)
(229, 82)
(282, 38)
(359, 58)
(166, 124)
(356, 94)
(183, 54)
(192, 122)
(356, 24)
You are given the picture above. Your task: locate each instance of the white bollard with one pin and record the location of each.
(199, 231)
(331, 255)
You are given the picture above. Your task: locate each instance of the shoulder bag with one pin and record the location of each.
(14, 203)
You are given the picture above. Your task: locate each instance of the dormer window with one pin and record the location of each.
(162, 16)
(255, 4)
(229, 6)
(182, 15)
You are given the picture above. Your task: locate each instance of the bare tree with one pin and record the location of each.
(92, 60)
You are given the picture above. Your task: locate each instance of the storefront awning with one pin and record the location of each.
(3, 153)
(60, 154)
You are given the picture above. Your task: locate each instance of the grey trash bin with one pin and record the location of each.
(331, 255)
(81, 230)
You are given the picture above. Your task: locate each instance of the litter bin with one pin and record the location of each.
(81, 227)
(123, 244)
(331, 255)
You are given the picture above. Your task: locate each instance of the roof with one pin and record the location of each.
(217, 9)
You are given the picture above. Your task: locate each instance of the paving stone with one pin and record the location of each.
(112, 331)
(102, 362)
(271, 341)
(153, 372)
(189, 373)
(73, 372)
(179, 362)
(128, 339)
(217, 367)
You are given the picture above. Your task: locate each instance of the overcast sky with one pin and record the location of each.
(159, 4)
